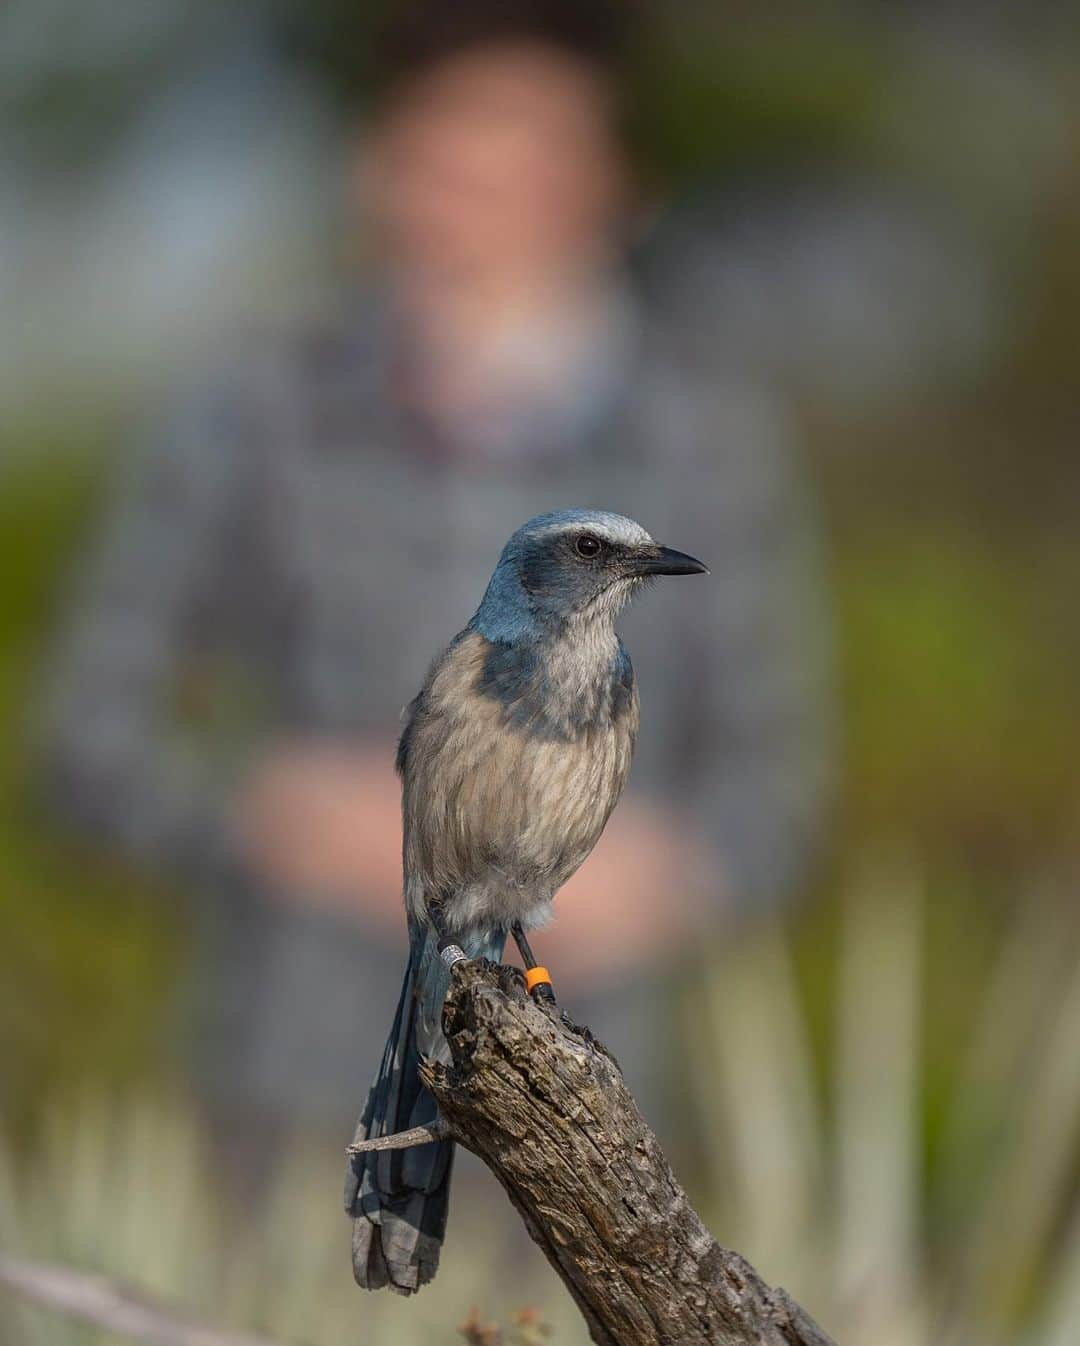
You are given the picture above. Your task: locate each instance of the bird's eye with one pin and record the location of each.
(588, 546)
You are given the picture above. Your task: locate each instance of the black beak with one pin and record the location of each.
(668, 561)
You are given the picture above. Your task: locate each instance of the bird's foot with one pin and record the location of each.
(585, 1034)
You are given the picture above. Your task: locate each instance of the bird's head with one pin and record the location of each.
(574, 563)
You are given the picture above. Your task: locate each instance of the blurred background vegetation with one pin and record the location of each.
(888, 1120)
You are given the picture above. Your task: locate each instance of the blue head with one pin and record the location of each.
(573, 563)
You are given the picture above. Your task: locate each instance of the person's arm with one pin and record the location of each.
(114, 763)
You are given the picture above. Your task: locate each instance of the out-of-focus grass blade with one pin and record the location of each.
(1011, 1230)
(1023, 994)
(758, 1085)
(877, 1098)
(1061, 1319)
(20, 1325)
(1032, 967)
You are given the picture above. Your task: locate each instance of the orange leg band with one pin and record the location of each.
(537, 976)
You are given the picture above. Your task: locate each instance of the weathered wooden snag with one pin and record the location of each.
(545, 1107)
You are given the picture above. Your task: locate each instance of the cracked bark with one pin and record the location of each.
(545, 1107)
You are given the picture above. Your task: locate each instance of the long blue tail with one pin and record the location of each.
(398, 1198)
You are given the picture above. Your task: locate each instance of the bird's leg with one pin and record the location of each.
(537, 978)
(449, 950)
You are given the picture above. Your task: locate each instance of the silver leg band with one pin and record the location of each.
(452, 954)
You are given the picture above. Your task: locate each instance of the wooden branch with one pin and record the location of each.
(402, 1140)
(545, 1107)
(97, 1300)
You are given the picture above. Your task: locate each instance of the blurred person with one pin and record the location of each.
(303, 531)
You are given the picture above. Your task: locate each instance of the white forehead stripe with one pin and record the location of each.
(612, 527)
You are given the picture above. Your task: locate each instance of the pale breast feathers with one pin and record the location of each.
(504, 774)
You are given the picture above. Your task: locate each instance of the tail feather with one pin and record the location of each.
(399, 1198)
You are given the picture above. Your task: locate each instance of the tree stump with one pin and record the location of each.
(544, 1105)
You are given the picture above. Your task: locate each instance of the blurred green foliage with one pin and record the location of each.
(87, 954)
(750, 100)
(959, 706)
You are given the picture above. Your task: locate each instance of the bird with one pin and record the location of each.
(513, 755)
